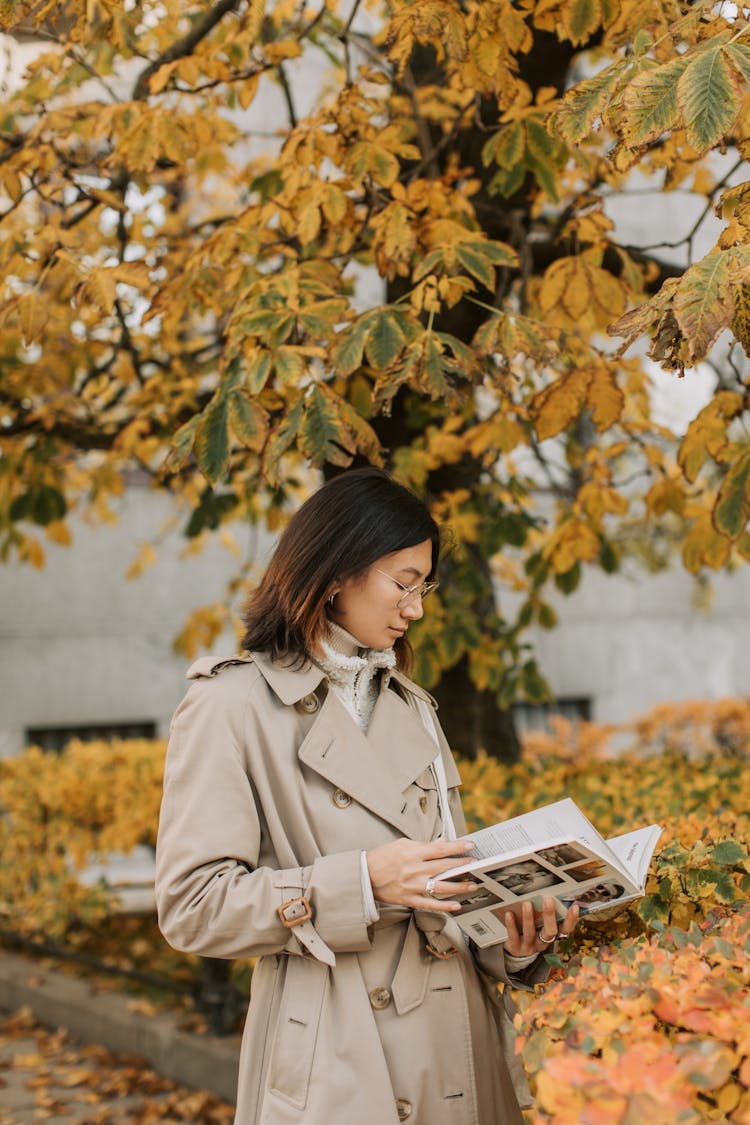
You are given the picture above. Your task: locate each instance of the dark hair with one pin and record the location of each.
(342, 529)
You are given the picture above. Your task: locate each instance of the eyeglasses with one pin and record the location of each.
(411, 593)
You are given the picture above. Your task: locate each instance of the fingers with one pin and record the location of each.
(443, 888)
(459, 850)
(569, 922)
(549, 918)
(537, 932)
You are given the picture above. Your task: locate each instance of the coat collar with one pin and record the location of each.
(289, 683)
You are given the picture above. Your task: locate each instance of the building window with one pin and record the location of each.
(54, 738)
(535, 716)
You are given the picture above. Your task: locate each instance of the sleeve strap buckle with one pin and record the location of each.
(294, 912)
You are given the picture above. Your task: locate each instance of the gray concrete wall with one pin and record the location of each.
(79, 644)
(633, 640)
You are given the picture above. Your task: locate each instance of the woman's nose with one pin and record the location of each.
(413, 610)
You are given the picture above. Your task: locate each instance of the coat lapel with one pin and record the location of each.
(375, 769)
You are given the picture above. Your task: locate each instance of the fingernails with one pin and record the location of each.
(549, 904)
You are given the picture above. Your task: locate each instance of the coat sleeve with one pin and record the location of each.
(213, 897)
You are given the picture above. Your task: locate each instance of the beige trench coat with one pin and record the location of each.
(271, 792)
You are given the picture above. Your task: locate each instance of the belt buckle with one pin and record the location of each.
(441, 954)
(299, 911)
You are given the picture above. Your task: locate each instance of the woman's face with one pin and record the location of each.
(366, 605)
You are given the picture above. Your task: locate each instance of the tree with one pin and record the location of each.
(176, 302)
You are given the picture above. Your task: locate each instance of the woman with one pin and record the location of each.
(310, 808)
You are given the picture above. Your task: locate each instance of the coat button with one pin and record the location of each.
(380, 998)
(341, 799)
(309, 704)
(403, 1109)
(423, 803)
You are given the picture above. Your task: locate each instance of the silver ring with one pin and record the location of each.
(547, 940)
(562, 935)
(429, 887)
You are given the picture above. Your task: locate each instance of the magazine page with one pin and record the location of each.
(634, 851)
(568, 870)
(562, 820)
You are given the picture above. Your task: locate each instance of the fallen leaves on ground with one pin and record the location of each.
(66, 1077)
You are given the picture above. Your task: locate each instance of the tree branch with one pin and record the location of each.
(184, 46)
(284, 83)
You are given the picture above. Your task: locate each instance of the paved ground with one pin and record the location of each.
(46, 1078)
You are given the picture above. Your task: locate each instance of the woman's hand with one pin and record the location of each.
(529, 940)
(399, 873)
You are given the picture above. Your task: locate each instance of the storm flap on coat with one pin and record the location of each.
(271, 792)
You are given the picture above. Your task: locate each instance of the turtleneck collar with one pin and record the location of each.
(353, 670)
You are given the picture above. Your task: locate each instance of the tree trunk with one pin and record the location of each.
(471, 718)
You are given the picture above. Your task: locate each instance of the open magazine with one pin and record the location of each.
(552, 852)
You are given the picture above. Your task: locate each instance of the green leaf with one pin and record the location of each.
(431, 263)
(651, 909)
(505, 147)
(432, 370)
(385, 340)
(732, 510)
(499, 253)
(319, 318)
(577, 114)
(182, 445)
(289, 365)
(41, 503)
(542, 146)
(476, 264)
(709, 98)
(546, 616)
(569, 580)
(266, 322)
(248, 420)
(322, 437)
(212, 440)
(384, 165)
(281, 441)
(728, 852)
(649, 104)
(738, 56)
(609, 559)
(258, 371)
(349, 348)
(583, 19)
(209, 512)
(725, 889)
(506, 182)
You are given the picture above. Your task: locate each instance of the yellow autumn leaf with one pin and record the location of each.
(559, 404)
(145, 557)
(605, 397)
(598, 501)
(572, 542)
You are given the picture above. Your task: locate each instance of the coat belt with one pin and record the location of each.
(424, 941)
